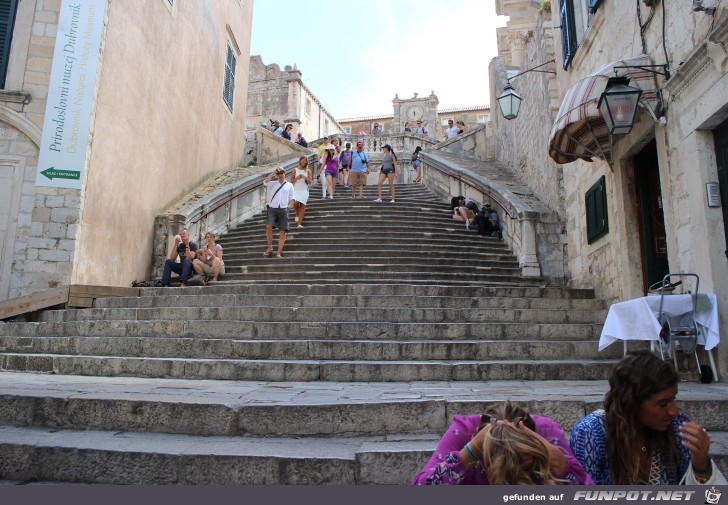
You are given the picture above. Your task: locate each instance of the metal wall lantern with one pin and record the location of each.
(618, 105)
(510, 101)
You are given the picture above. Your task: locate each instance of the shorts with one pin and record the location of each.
(208, 268)
(468, 212)
(332, 175)
(416, 164)
(278, 218)
(387, 171)
(358, 178)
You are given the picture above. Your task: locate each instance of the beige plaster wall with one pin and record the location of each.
(160, 127)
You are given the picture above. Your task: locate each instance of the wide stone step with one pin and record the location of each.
(262, 330)
(337, 313)
(365, 350)
(203, 299)
(320, 409)
(145, 431)
(482, 278)
(510, 270)
(97, 457)
(253, 257)
(309, 370)
(413, 290)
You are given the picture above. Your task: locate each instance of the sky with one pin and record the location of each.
(355, 56)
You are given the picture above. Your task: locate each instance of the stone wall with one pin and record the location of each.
(522, 143)
(157, 130)
(477, 143)
(281, 94)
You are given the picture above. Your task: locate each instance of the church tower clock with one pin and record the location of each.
(413, 110)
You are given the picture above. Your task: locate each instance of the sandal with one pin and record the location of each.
(268, 253)
(278, 256)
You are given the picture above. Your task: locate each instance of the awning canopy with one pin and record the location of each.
(579, 132)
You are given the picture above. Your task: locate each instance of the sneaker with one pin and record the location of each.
(378, 200)
(331, 198)
(467, 225)
(392, 200)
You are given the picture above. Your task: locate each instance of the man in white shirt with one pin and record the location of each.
(451, 130)
(283, 194)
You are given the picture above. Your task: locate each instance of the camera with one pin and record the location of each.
(181, 248)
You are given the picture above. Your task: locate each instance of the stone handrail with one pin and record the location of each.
(518, 219)
(400, 142)
(219, 211)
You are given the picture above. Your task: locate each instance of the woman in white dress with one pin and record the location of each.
(301, 177)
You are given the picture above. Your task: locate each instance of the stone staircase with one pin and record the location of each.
(342, 363)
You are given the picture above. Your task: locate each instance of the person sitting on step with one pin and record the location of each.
(464, 209)
(209, 259)
(184, 250)
(641, 436)
(505, 445)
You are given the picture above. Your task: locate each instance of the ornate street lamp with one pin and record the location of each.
(509, 102)
(618, 105)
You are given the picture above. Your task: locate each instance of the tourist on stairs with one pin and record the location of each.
(389, 167)
(301, 177)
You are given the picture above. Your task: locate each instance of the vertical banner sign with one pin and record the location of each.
(67, 120)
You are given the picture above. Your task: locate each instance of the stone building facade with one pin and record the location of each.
(659, 213)
(166, 109)
(434, 119)
(281, 94)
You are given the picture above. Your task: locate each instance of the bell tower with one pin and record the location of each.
(414, 109)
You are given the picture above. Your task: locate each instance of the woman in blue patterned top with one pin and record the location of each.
(641, 436)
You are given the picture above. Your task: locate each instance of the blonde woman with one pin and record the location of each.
(301, 177)
(504, 445)
(209, 259)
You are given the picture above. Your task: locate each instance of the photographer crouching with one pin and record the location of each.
(185, 250)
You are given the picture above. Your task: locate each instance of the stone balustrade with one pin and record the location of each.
(218, 211)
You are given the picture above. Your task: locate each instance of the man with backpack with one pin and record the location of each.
(488, 222)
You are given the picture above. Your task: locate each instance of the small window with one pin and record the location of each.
(482, 118)
(444, 121)
(171, 2)
(228, 91)
(597, 223)
(569, 42)
(308, 106)
(326, 126)
(348, 130)
(593, 5)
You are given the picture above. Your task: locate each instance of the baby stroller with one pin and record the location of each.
(680, 331)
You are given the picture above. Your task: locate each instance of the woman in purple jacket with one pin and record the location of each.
(504, 445)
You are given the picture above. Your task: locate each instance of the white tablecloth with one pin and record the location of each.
(637, 319)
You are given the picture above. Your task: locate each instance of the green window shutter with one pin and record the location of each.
(597, 222)
(8, 8)
(228, 91)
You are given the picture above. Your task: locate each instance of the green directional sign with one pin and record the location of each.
(52, 173)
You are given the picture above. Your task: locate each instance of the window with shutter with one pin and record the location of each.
(569, 42)
(229, 89)
(597, 224)
(8, 9)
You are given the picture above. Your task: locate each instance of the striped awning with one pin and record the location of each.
(579, 132)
